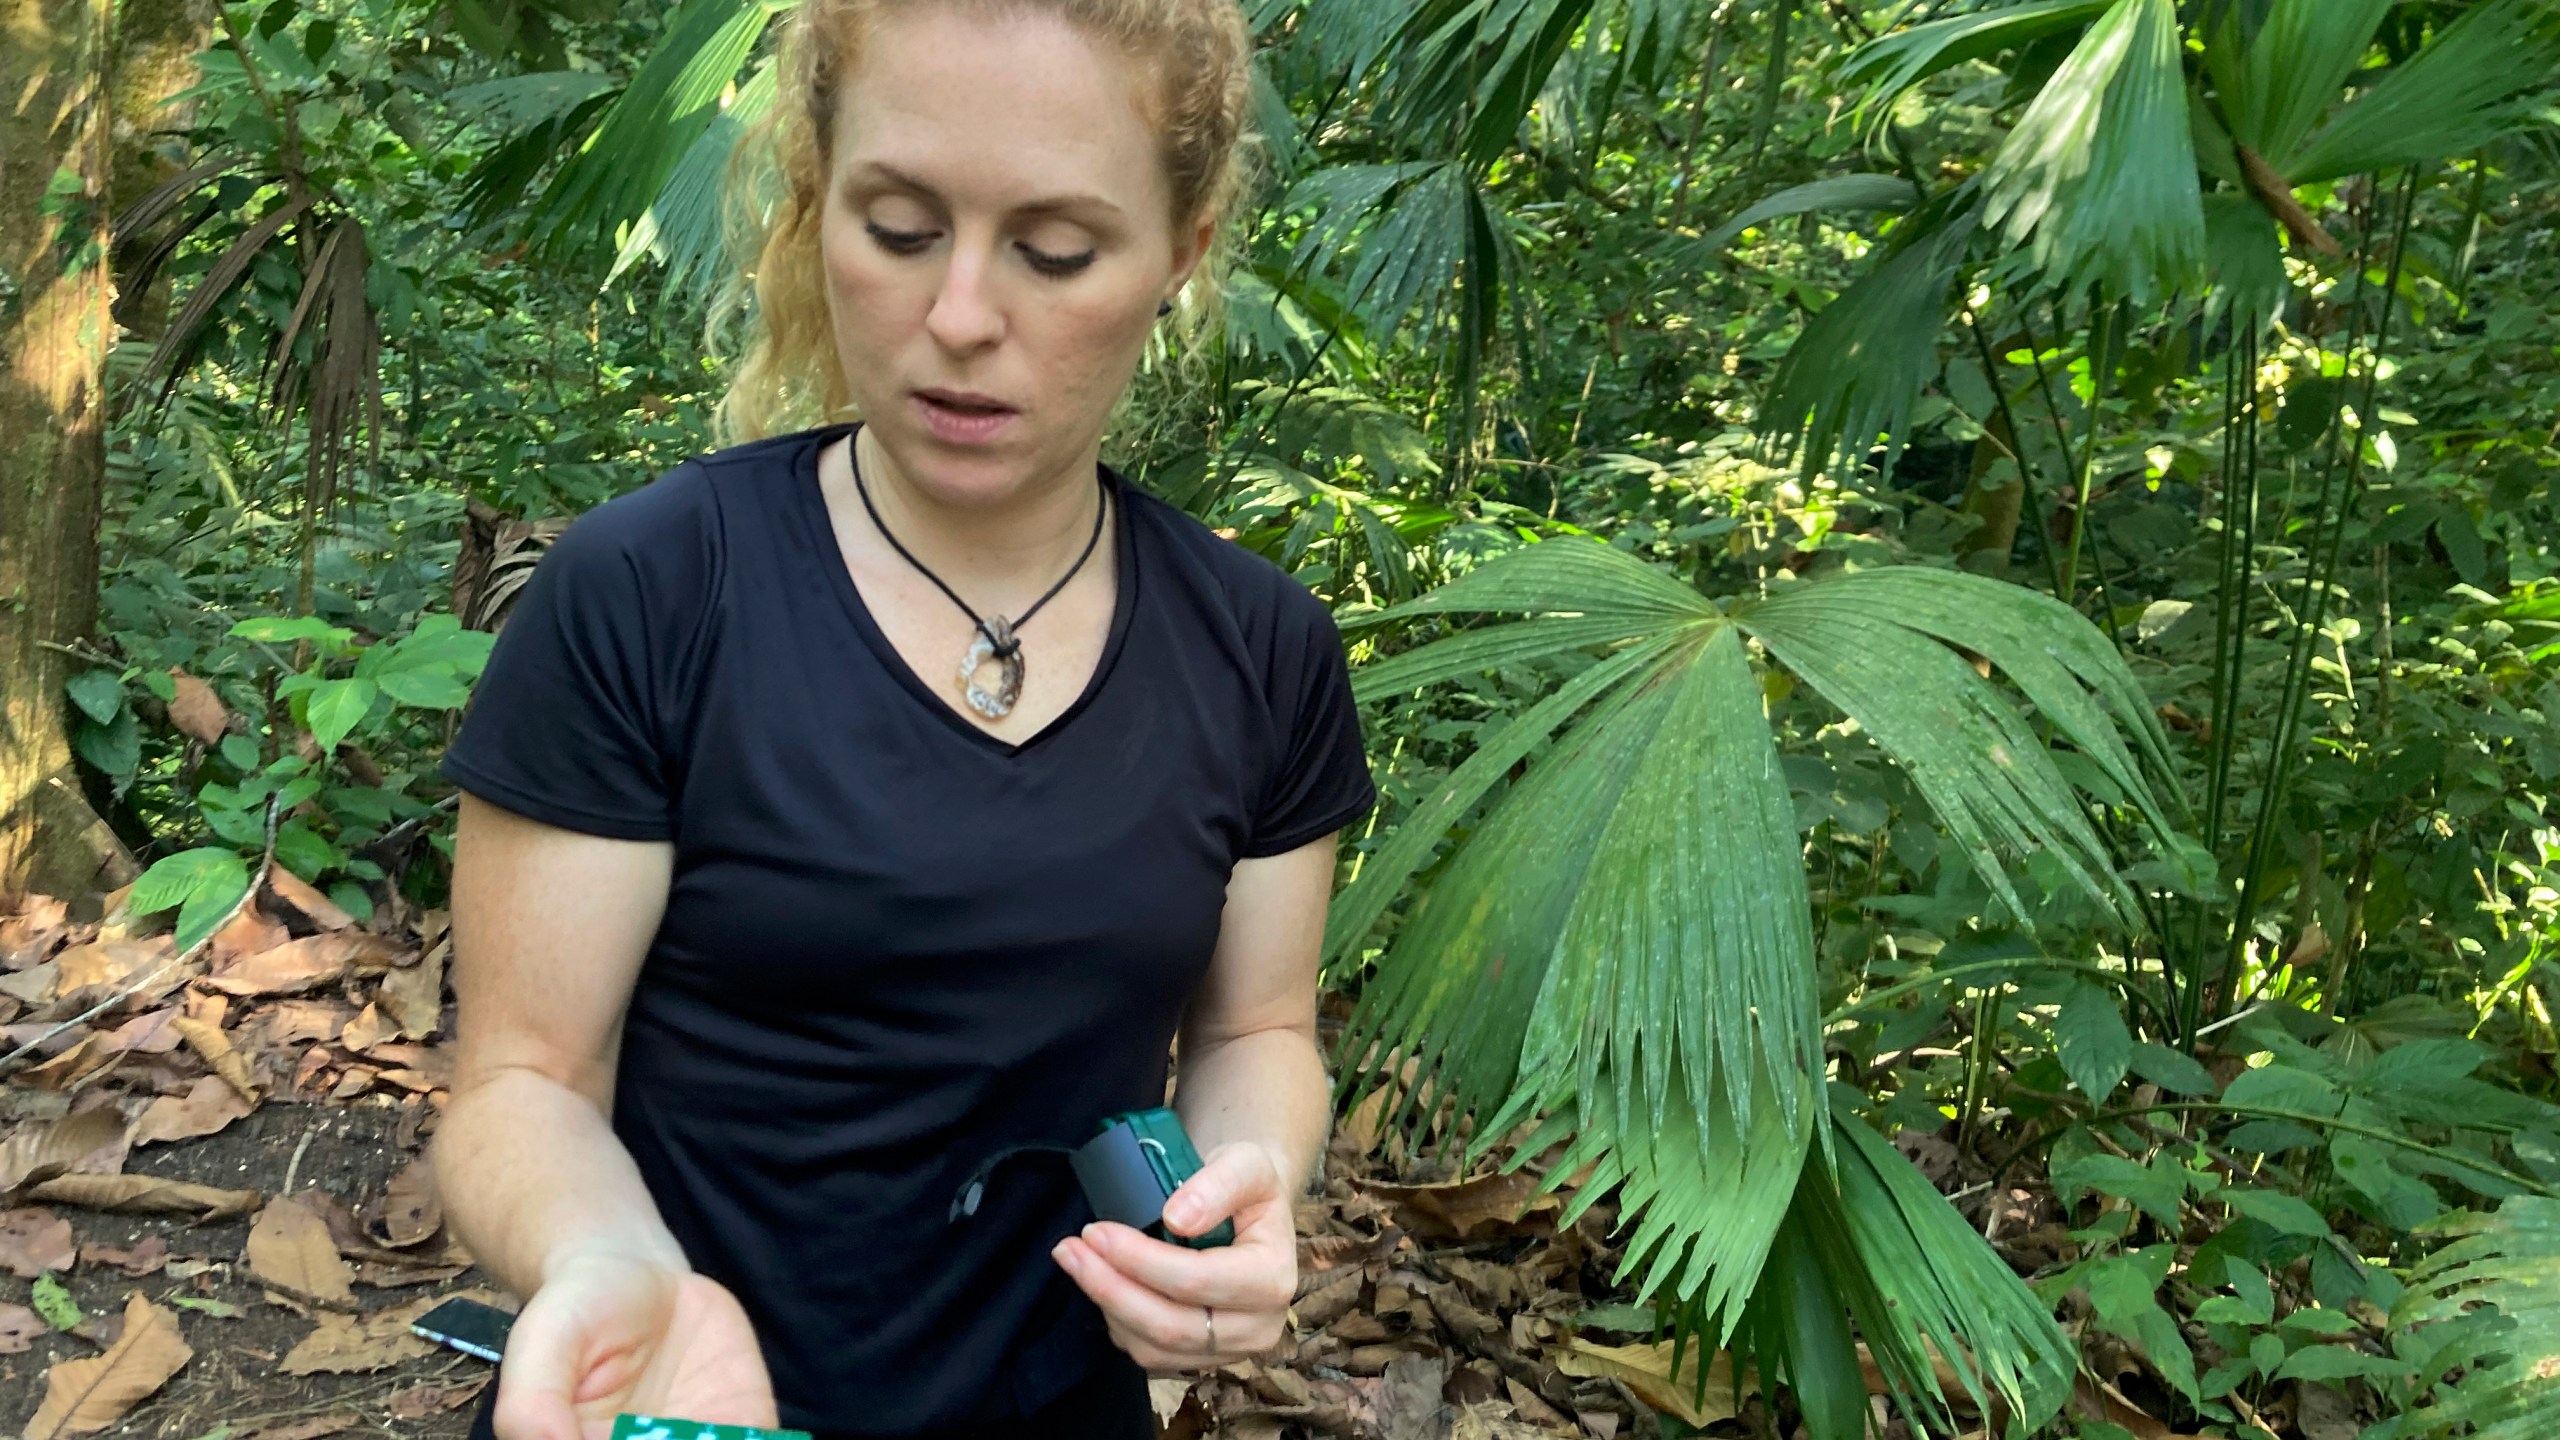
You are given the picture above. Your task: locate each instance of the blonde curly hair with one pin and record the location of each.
(1199, 53)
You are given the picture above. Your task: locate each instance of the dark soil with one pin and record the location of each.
(233, 1386)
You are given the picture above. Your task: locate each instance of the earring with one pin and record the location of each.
(1163, 308)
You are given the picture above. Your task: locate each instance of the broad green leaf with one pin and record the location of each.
(115, 747)
(241, 752)
(280, 629)
(2172, 1070)
(1475, 651)
(2096, 1048)
(337, 707)
(98, 693)
(2288, 1214)
(2157, 1190)
(2339, 1362)
(204, 883)
(426, 689)
(2098, 178)
(2124, 1290)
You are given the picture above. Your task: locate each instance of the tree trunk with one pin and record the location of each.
(154, 58)
(54, 333)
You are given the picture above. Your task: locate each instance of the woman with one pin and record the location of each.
(851, 805)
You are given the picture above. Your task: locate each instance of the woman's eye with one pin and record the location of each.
(1060, 265)
(898, 242)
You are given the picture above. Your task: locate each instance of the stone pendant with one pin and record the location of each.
(994, 642)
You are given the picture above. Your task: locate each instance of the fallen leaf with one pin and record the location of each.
(20, 1328)
(346, 1344)
(145, 1193)
(249, 931)
(33, 1241)
(410, 1211)
(289, 1244)
(352, 1082)
(74, 1064)
(288, 1023)
(295, 966)
(420, 1401)
(414, 996)
(196, 710)
(209, 1105)
(1468, 1209)
(146, 1034)
(297, 895)
(147, 1256)
(367, 1030)
(84, 1396)
(35, 985)
(113, 964)
(1409, 1404)
(1646, 1369)
(29, 935)
(208, 1041)
(218, 1309)
(92, 1139)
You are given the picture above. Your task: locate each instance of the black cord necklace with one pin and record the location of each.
(998, 638)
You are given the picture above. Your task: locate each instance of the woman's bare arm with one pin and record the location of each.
(1249, 1068)
(550, 927)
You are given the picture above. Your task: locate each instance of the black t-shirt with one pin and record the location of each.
(895, 943)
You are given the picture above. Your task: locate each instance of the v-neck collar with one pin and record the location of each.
(822, 533)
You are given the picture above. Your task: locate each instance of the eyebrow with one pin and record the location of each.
(1045, 205)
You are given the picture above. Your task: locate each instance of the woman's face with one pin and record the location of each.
(997, 241)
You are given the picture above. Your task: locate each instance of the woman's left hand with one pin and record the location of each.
(1173, 1308)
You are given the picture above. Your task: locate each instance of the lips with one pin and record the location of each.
(961, 417)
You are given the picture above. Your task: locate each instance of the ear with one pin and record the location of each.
(1191, 246)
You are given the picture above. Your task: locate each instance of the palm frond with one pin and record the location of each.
(1965, 746)
(1890, 64)
(1839, 192)
(2507, 1263)
(1851, 379)
(2098, 179)
(2276, 86)
(2245, 252)
(1558, 577)
(1947, 1296)
(684, 228)
(2488, 74)
(644, 133)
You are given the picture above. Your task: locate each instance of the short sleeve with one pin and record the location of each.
(571, 721)
(1321, 783)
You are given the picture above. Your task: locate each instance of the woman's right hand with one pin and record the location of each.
(614, 1334)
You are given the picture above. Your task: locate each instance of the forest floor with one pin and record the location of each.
(221, 1223)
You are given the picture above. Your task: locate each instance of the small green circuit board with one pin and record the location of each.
(653, 1427)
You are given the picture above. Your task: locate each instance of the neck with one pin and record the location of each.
(1022, 543)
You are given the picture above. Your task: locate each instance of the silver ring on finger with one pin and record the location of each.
(1209, 1319)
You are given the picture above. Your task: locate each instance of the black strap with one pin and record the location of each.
(1003, 638)
(974, 1189)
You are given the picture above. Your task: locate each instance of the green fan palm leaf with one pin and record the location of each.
(1618, 956)
(2486, 75)
(2098, 178)
(2508, 1265)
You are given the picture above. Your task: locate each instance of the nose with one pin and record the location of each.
(965, 316)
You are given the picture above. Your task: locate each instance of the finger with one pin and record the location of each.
(1171, 1326)
(1255, 1273)
(536, 1383)
(1234, 1177)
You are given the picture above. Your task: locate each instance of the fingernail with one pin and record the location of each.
(1063, 1254)
(1091, 1231)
